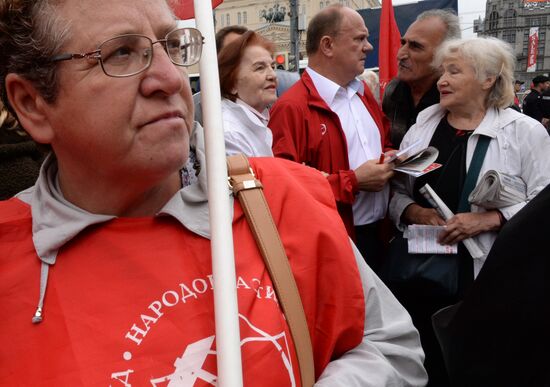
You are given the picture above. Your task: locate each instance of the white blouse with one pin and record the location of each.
(245, 129)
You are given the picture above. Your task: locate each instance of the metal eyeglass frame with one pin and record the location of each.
(96, 54)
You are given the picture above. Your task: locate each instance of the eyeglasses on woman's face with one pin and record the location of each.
(131, 54)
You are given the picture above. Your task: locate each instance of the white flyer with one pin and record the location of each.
(422, 239)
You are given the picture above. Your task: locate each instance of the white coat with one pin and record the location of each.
(244, 132)
(519, 147)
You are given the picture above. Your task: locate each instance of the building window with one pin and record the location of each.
(542, 39)
(493, 20)
(510, 18)
(525, 42)
(228, 19)
(509, 36)
(245, 18)
(536, 21)
(321, 5)
(239, 21)
(522, 66)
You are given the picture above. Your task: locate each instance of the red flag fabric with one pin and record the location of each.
(390, 41)
(184, 8)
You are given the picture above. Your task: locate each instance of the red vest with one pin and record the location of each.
(130, 302)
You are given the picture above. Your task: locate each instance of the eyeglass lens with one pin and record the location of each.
(130, 54)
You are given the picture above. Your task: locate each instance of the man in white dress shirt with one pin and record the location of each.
(330, 121)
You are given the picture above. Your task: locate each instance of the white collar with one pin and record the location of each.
(490, 125)
(328, 89)
(263, 116)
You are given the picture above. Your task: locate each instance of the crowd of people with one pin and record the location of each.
(105, 263)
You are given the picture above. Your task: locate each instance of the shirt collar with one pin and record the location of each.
(263, 116)
(328, 89)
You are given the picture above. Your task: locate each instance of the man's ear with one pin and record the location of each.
(326, 46)
(30, 108)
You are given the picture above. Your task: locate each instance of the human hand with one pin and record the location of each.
(468, 224)
(416, 214)
(390, 155)
(372, 176)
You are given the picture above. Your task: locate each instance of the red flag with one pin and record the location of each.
(390, 41)
(184, 8)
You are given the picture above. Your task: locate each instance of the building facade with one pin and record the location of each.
(512, 21)
(271, 18)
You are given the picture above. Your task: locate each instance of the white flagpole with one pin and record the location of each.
(223, 262)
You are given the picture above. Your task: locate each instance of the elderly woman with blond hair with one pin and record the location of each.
(476, 87)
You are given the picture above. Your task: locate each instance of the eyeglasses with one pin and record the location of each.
(131, 54)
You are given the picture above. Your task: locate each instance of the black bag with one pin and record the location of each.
(438, 273)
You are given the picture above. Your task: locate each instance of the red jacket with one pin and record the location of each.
(130, 301)
(307, 131)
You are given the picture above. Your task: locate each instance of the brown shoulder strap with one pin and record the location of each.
(249, 192)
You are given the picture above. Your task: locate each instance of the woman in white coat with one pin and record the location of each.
(476, 87)
(248, 86)
(475, 90)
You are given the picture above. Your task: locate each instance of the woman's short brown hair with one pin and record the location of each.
(229, 60)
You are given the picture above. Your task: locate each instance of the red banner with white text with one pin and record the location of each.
(532, 49)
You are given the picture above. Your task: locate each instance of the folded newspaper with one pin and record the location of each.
(496, 190)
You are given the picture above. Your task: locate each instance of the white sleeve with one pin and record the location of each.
(390, 353)
(402, 187)
(534, 145)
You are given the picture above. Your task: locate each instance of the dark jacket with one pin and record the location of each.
(545, 103)
(532, 105)
(398, 106)
(500, 333)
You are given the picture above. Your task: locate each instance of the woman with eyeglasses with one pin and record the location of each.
(248, 86)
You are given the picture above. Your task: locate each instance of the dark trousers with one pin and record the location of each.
(370, 242)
